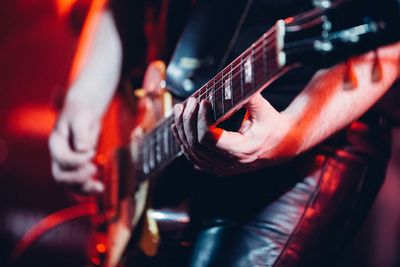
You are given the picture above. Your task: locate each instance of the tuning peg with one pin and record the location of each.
(322, 4)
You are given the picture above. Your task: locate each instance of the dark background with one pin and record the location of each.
(38, 39)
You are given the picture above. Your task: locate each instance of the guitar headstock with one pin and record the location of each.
(335, 30)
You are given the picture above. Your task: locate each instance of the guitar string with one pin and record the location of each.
(253, 51)
(256, 52)
(255, 48)
(167, 122)
(159, 131)
(217, 89)
(233, 80)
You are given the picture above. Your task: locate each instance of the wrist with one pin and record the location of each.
(289, 139)
(78, 101)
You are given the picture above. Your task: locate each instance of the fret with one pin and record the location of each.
(248, 73)
(241, 77)
(221, 97)
(252, 59)
(236, 82)
(264, 55)
(202, 93)
(231, 84)
(207, 92)
(211, 97)
(272, 59)
(248, 70)
(228, 89)
(218, 96)
(258, 67)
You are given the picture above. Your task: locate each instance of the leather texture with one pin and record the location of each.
(296, 214)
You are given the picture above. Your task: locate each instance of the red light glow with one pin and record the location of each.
(33, 120)
(101, 248)
(289, 20)
(64, 6)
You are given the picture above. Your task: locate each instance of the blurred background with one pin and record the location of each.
(41, 224)
(38, 39)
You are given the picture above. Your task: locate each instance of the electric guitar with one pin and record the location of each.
(321, 37)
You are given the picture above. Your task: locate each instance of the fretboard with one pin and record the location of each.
(249, 72)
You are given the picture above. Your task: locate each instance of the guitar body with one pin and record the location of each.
(121, 205)
(152, 146)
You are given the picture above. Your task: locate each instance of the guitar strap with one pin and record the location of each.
(204, 44)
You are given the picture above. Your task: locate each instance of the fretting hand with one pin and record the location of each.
(260, 141)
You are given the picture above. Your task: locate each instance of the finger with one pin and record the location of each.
(190, 122)
(259, 108)
(62, 126)
(190, 126)
(202, 158)
(92, 186)
(178, 112)
(202, 154)
(62, 153)
(188, 154)
(73, 177)
(204, 125)
(233, 144)
(179, 141)
(84, 133)
(209, 135)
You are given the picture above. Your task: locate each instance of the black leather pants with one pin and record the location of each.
(296, 214)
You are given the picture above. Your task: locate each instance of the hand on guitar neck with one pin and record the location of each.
(268, 136)
(225, 153)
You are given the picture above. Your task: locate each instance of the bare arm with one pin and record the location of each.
(73, 141)
(268, 136)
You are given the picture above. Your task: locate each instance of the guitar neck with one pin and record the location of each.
(256, 67)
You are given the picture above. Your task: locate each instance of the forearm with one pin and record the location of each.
(325, 106)
(267, 136)
(98, 79)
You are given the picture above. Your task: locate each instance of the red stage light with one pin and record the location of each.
(64, 6)
(101, 248)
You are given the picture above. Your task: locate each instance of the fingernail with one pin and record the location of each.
(192, 99)
(98, 187)
(178, 109)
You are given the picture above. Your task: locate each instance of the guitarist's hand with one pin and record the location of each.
(267, 136)
(72, 145)
(259, 142)
(73, 141)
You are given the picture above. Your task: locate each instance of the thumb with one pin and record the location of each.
(259, 108)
